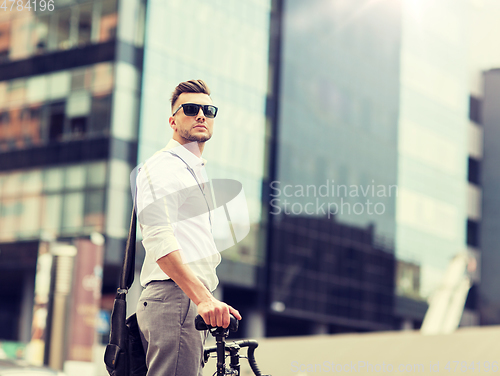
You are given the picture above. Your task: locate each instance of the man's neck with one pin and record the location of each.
(194, 147)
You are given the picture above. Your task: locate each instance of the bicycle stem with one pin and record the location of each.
(235, 358)
(221, 355)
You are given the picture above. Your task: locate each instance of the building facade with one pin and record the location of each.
(335, 167)
(488, 175)
(70, 78)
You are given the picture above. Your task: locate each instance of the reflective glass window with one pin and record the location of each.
(94, 209)
(100, 115)
(37, 89)
(3, 94)
(84, 24)
(40, 34)
(12, 184)
(30, 216)
(53, 179)
(56, 121)
(78, 127)
(51, 213)
(63, 29)
(17, 92)
(75, 177)
(9, 219)
(109, 20)
(96, 174)
(103, 79)
(4, 41)
(73, 204)
(20, 36)
(59, 84)
(78, 104)
(32, 182)
(78, 79)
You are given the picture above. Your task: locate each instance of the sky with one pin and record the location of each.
(484, 42)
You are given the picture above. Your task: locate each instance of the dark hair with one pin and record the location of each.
(191, 86)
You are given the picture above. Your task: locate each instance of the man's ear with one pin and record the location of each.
(171, 121)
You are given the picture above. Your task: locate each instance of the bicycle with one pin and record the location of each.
(221, 348)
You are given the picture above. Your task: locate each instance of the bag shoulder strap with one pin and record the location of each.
(128, 268)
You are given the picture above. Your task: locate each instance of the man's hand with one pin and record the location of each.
(216, 313)
(213, 311)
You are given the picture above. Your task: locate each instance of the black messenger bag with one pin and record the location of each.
(124, 355)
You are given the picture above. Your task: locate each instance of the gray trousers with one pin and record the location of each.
(166, 320)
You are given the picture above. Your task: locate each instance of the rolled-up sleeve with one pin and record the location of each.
(159, 196)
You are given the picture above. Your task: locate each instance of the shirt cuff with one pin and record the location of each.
(163, 248)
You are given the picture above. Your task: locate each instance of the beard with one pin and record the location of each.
(190, 137)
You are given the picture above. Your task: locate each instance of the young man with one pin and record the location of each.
(173, 206)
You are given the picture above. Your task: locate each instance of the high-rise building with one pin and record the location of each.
(70, 75)
(373, 102)
(432, 149)
(337, 98)
(488, 174)
(226, 43)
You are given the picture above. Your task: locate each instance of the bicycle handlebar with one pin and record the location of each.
(251, 344)
(200, 324)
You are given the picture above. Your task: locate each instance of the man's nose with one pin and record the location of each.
(201, 114)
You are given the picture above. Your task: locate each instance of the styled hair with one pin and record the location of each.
(191, 86)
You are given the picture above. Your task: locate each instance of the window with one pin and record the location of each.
(475, 109)
(53, 179)
(472, 233)
(103, 79)
(94, 209)
(37, 89)
(4, 118)
(100, 114)
(96, 174)
(41, 34)
(51, 213)
(56, 122)
(75, 177)
(78, 79)
(63, 29)
(474, 171)
(73, 211)
(84, 24)
(78, 126)
(4, 41)
(109, 19)
(30, 217)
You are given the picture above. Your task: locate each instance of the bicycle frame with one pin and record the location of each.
(233, 349)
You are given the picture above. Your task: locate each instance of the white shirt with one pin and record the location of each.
(173, 214)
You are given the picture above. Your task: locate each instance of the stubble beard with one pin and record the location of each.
(190, 137)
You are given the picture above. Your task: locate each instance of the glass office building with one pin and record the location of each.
(336, 137)
(490, 181)
(226, 43)
(372, 122)
(432, 142)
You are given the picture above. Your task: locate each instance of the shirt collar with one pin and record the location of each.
(191, 159)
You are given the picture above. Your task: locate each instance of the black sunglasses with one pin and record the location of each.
(192, 109)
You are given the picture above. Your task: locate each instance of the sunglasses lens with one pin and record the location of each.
(210, 111)
(191, 109)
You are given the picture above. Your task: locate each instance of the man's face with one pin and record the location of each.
(192, 128)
